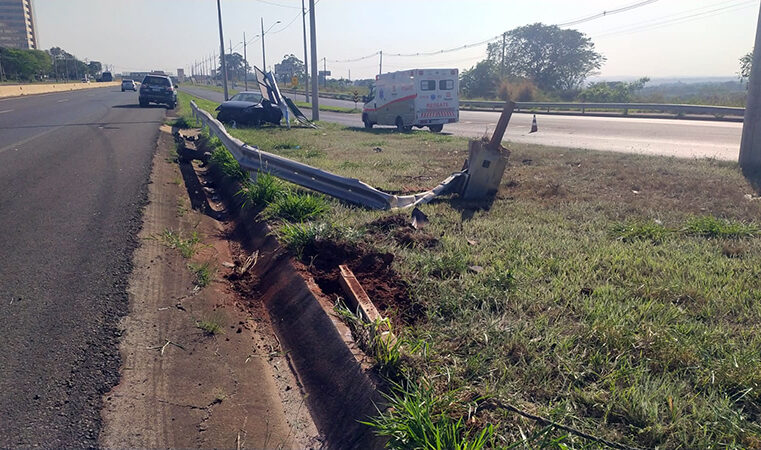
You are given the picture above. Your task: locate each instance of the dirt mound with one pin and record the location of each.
(373, 270)
(400, 229)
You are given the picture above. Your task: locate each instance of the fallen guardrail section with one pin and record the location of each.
(479, 179)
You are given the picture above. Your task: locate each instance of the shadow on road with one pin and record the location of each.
(137, 106)
(86, 124)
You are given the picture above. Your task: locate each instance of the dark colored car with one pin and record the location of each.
(158, 89)
(248, 108)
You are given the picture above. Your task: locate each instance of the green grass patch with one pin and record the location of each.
(711, 227)
(203, 272)
(297, 206)
(187, 245)
(225, 161)
(419, 417)
(651, 231)
(262, 191)
(211, 325)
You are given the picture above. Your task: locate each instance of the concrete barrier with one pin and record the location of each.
(16, 90)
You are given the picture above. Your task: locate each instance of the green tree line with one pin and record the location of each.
(38, 65)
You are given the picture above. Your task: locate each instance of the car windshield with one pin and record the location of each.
(156, 81)
(252, 97)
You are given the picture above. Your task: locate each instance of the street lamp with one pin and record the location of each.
(264, 60)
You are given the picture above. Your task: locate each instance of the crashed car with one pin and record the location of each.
(249, 108)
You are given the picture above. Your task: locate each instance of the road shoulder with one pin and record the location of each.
(182, 386)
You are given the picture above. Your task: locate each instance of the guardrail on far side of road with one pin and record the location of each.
(15, 90)
(630, 109)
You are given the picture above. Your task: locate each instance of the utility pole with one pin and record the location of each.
(306, 64)
(324, 73)
(313, 38)
(264, 61)
(750, 146)
(380, 66)
(245, 64)
(222, 49)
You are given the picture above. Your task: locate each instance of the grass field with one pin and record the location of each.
(615, 294)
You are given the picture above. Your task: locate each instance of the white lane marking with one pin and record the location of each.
(7, 110)
(64, 100)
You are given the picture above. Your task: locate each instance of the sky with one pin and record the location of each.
(662, 38)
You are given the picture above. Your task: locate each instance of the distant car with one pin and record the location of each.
(158, 89)
(249, 108)
(106, 76)
(129, 85)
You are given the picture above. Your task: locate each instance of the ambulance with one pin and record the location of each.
(413, 98)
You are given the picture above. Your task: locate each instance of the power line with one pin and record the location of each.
(277, 4)
(499, 36)
(607, 13)
(293, 20)
(674, 19)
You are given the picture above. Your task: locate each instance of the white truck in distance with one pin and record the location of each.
(413, 98)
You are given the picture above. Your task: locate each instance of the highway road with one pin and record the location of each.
(74, 168)
(665, 137)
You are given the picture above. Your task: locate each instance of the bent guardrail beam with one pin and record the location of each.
(348, 189)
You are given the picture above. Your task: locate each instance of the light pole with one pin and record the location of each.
(313, 61)
(306, 64)
(245, 64)
(264, 60)
(222, 49)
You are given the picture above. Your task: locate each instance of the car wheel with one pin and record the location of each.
(436, 128)
(122, 89)
(143, 103)
(171, 105)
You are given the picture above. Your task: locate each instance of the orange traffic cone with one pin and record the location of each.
(534, 128)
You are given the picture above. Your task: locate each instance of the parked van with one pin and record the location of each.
(413, 98)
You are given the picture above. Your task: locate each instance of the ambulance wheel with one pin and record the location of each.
(399, 124)
(367, 122)
(436, 128)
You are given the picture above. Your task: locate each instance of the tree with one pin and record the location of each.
(479, 81)
(24, 65)
(746, 63)
(291, 66)
(555, 59)
(612, 91)
(236, 67)
(94, 68)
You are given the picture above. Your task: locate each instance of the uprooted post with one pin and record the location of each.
(487, 161)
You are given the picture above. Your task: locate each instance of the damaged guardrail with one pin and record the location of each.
(351, 190)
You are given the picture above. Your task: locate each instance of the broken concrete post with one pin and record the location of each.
(487, 161)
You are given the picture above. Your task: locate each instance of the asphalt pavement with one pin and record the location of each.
(664, 137)
(74, 169)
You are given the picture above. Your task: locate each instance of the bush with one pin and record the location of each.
(520, 90)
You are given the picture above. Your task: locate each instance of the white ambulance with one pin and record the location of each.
(413, 98)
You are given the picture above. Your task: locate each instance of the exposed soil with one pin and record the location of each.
(399, 228)
(373, 269)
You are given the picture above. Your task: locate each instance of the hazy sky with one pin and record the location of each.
(666, 38)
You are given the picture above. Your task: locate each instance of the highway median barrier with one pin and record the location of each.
(18, 90)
